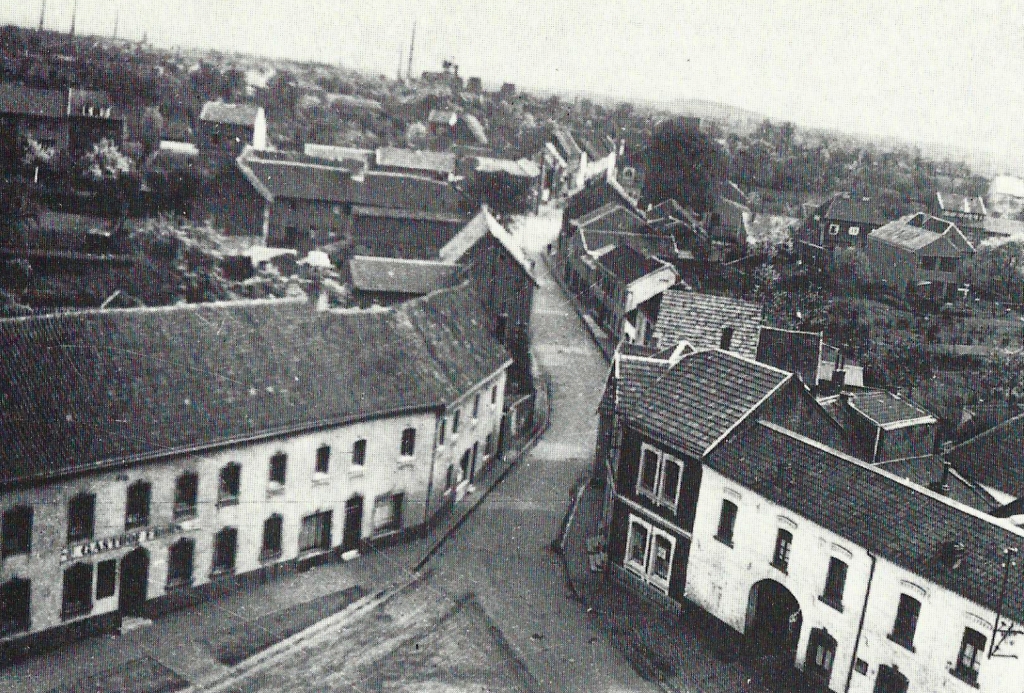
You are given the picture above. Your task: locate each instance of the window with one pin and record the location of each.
(649, 553)
(835, 583)
(660, 476)
(906, 621)
(821, 653)
(77, 598)
(15, 606)
(853, 230)
(225, 543)
(137, 508)
(489, 444)
(387, 512)
(106, 579)
(928, 263)
(17, 531)
(179, 563)
(315, 533)
(947, 264)
(476, 406)
(455, 422)
(408, 442)
(726, 522)
(359, 453)
(501, 325)
(783, 544)
(323, 459)
(186, 492)
(726, 340)
(494, 395)
(271, 537)
(441, 432)
(229, 484)
(278, 469)
(833, 229)
(969, 659)
(81, 516)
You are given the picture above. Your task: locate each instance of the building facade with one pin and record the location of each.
(225, 129)
(918, 255)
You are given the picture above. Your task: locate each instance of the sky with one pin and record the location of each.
(944, 71)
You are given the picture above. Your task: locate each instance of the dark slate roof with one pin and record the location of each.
(654, 244)
(301, 180)
(394, 275)
(955, 202)
(692, 404)
(229, 113)
(994, 458)
(791, 350)
(422, 160)
(699, 319)
(890, 517)
(886, 409)
(853, 209)
(926, 471)
(628, 265)
(21, 100)
(90, 389)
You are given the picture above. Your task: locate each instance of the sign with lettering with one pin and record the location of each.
(140, 536)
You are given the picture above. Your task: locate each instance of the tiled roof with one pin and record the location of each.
(791, 350)
(230, 113)
(80, 390)
(890, 517)
(421, 160)
(994, 458)
(853, 209)
(478, 227)
(699, 319)
(955, 202)
(692, 404)
(569, 148)
(904, 235)
(943, 227)
(886, 409)
(383, 274)
(15, 98)
(628, 265)
(301, 180)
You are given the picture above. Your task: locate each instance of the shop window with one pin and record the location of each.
(315, 532)
(821, 654)
(225, 545)
(726, 522)
(77, 591)
(16, 526)
(106, 579)
(179, 562)
(229, 484)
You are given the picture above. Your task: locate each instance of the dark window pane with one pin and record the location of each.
(229, 484)
(179, 562)
(359, 453)
(783, 543)
(15, 609)
(225, 543)
(649, 471)
(272, 537)
(17, 531)
(137, 507)
(905, 627)
(408, 442)
(278, 468)
(81, 517)
(726, 522)
(835, 582)
(186, 494)
(106, 579)
(670, 481)
(77, 596)
(323, 459)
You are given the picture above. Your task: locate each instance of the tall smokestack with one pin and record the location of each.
(74, 17)
(117, 19)
(412, 47)
(42, 15)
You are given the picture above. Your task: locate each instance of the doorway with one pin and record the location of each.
(472, 464)
(773, 621)
(353, 531)
(890, 680)
(134, 581)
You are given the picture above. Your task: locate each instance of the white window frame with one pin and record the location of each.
(657, 494)
(645, 571)
(853, 230)
(833, 229)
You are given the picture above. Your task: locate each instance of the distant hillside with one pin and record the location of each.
(713, 110)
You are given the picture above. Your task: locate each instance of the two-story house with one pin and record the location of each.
(856, 577)
(918, 255)
(225, 129)
(661, 416)
(156, 456)
(842, 221)
(67, 120)
(967, 212)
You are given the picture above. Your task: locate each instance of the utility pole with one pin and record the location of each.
(412, 46)
(117, 18)
(42, 15)
(74, 16)
(401, 62)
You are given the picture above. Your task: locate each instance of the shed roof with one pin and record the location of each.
(420, 160)
(888, 410)
(965, 204)
(910, 237)
(480, 226)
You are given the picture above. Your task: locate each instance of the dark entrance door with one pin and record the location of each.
(134, 578)
(890, 680)
(774, 624)
(353, 523)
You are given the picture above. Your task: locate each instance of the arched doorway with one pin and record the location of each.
(353, 531)
(134, 580)
(773, 622)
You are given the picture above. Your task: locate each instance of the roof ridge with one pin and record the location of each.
(990, 431)
(153, 309)
(917, 488)
(406, 260)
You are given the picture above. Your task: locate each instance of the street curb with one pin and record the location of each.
(558, 543)
(552, 272)
(527, 447)
(532, 682)
(267, 657)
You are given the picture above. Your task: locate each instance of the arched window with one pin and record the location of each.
(186, 496)
(179, 562)
(225, 544)
(272, 530)
(81, 516)
(137, 508)
(229, 484)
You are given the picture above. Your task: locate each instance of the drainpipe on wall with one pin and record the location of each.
(860, 625)
(430, 479)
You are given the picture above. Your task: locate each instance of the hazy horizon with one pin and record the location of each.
(943, 71)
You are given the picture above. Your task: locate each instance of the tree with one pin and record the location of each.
(112, 174)
(682, 163)
(996, 273)
(152, 129)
